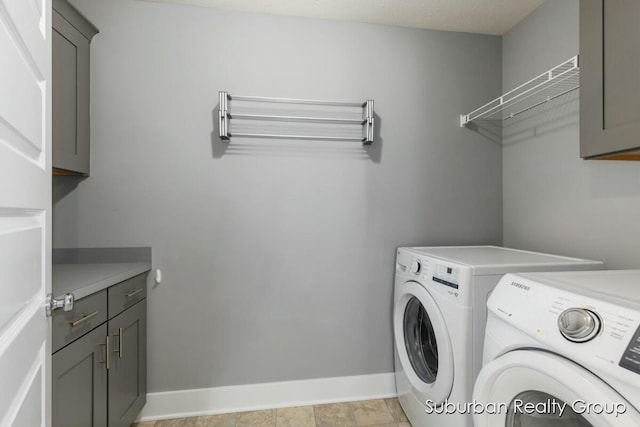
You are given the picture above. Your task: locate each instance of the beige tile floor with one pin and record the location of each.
(378, 413)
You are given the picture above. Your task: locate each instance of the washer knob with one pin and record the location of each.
(415, 266)
(579, 324)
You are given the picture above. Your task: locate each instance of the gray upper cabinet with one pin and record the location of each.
(609, 79)
(71, 36)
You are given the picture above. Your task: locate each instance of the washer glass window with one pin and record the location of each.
(420, 341)
(534, 408)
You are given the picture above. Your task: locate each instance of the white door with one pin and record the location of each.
(422, 343)
(25, 211)
(540, 389)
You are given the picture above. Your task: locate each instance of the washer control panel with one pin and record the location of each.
(415, 266)
(449, 280)
(445, 275)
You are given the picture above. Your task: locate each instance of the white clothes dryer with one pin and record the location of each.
(562, 349)
(439, 317)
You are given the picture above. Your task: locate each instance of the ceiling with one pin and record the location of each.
(471, 16)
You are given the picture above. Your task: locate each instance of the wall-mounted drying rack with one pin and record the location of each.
(353, 121)
(549, 85)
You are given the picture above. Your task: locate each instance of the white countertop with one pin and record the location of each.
(85, 279)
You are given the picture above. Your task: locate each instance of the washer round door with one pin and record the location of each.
(539, 389)
(423, 344)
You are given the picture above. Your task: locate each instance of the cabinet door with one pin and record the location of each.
(70, 95)
(609, 78)
(79, 382)
(128, 370)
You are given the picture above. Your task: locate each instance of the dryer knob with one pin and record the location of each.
(579, 324)
(415, 266)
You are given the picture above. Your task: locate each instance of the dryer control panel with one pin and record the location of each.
(631, 357)
(610, 331)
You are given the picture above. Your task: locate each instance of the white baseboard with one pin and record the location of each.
(251, 397)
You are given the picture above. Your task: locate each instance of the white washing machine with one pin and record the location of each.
(562, 349)
(439, 317)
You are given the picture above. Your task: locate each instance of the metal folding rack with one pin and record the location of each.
(549, 85)
(366, 122)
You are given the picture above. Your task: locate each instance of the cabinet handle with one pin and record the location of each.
(119, 349)
(106, 353)
(83, 318)
(134, 293)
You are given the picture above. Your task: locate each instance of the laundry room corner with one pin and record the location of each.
(553, 200)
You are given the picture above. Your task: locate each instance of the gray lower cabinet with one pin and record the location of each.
(79, 382)
(128, 373)
(609, 79)
(100, 360)
(71, 37)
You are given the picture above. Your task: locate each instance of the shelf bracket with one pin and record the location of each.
(223, 116)
(369, 122)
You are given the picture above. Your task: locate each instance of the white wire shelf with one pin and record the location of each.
(552, 84)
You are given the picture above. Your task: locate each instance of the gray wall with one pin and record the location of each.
(277, 256)
(553, 200)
